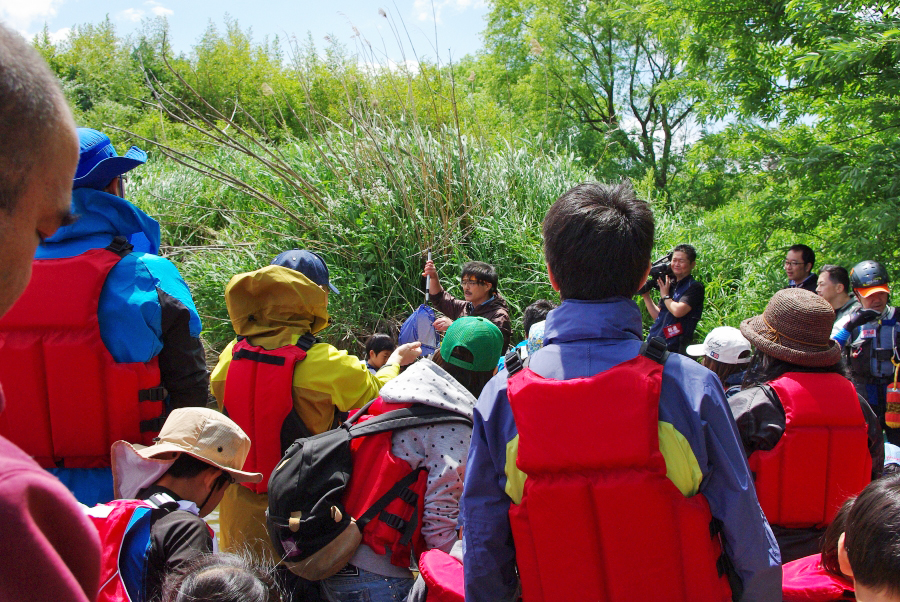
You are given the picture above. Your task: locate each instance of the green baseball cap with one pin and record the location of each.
(478, 336)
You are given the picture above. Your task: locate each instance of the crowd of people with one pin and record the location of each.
(589, 461)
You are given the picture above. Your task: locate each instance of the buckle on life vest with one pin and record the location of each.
(409, 496)
(120, 246)
(153, 394)
(392, 520)
(153, 425)
(655, 349)
(514, 360)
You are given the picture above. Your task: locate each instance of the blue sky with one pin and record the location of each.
(458, 22)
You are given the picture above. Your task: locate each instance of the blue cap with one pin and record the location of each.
(308, 263)
(99, 163)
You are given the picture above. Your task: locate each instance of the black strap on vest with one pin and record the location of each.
(407, 528)
(305, 343)
(514, 362)
(120, 246)
(655, 349)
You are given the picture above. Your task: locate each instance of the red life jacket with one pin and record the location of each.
(823, 456)
(124, 529)
(443, 574)
(805, 579)
(376, 470)
(69, 400)
(258, 397)
(599, 519)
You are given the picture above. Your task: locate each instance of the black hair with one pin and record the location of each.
(473, 381)
(536, 312)
(480, 270)
(808, 254)
(187, 466)
(838, 275)
(379, 342)
(31, 102)
(597, 241)
(830, 539)
(765, 368)
(688, 250)
(872, 536)
(220, 578)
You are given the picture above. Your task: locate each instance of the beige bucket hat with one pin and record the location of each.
(205, 434)
(795, 327)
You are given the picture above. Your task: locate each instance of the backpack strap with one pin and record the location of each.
(655, 349)
(415, 415)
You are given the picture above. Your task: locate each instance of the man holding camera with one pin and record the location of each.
(680, 303)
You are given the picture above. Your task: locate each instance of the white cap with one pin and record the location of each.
(724, 344)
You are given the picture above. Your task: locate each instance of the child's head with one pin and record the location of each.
(379, 348)
(469, 352)
(869, 549)
(536, 312)
(725, 351)
(597, 241)
(220, 578)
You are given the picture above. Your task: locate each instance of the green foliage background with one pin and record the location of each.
(789, 113)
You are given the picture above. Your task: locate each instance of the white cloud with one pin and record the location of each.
(131, 14)
(21, 14)
(158, 9)
(430, 10)
(60, 35)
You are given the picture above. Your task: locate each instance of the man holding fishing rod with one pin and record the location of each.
(479, 286)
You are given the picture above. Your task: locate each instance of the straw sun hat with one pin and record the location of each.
(795, 328)
(203, 433)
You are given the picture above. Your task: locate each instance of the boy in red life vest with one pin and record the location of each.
(811, 440)
(595, 472)
(156, 526)
(279, 382)
(461, 367)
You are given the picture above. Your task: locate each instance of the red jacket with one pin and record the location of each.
(823, 456)
(623, 527)
(73, 418)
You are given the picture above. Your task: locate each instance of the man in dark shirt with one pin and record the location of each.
(680, 303)
(183, 476)
(479, 284)
(798, 265)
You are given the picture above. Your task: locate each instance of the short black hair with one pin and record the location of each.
(480, 270)
(187, 466)
(808, 254)
(872, 535)
(32, 103)
(838, 275)
(597, 241)
(688, 250)
(379, 342)
(221, 577)
(536, 312)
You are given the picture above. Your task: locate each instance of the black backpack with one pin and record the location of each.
(307, 522)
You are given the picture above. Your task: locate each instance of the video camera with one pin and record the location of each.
(661, 267)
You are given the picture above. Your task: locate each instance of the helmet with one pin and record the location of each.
(868, 273)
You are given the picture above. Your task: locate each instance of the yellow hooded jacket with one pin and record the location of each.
(273, 307)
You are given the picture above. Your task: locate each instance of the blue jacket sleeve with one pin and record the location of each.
(489, 557)
(728, 487)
